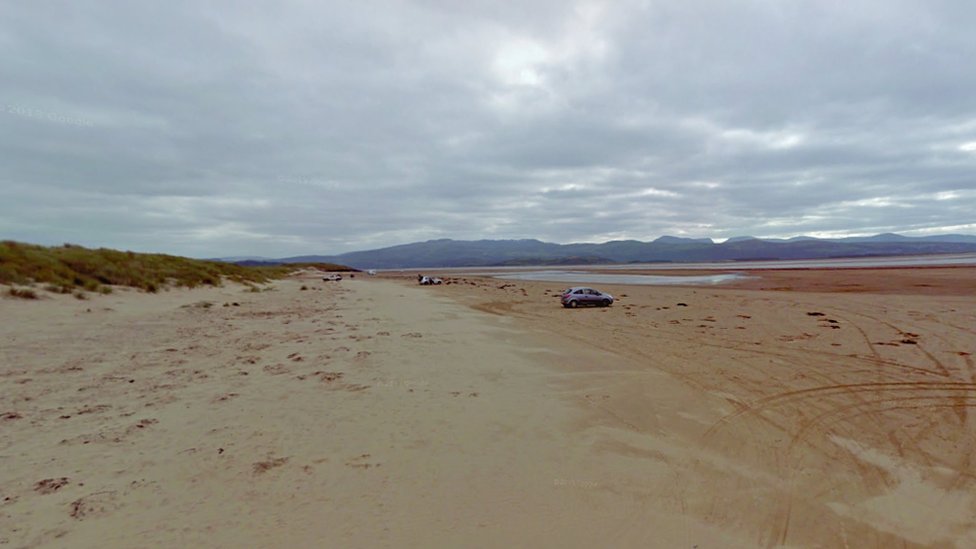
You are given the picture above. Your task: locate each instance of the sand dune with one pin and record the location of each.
(376, 413)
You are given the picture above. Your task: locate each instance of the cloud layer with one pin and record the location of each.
(254, 128)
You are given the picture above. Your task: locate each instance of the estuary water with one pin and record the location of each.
(586, 277)
(838, 263)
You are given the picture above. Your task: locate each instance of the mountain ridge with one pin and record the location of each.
(483, 253)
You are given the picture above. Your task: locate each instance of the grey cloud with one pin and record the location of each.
(237, 128)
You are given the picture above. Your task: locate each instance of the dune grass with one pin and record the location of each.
(71, 268)
(23, 293)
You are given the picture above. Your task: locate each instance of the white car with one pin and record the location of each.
(332, 278)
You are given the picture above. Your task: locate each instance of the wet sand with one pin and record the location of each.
(802, 412)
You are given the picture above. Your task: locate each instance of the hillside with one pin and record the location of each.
(462, 253)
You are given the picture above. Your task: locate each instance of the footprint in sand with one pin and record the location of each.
(276, 369)
(329, 377)
(143, 423)
(94, 505)
(325, 377)
(361, 462)
(93, 409)
(268, 464)
(50, 485)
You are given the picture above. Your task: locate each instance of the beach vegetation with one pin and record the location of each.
(69, 268)
(23, 293)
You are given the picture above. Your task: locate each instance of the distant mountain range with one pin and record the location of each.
(474, 253)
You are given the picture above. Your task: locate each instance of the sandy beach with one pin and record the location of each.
(797, 409)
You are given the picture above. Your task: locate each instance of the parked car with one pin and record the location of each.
(579, 296)
(332, 278)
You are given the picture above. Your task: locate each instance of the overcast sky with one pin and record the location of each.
(281, 128)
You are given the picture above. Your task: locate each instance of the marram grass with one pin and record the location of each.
(70, 268)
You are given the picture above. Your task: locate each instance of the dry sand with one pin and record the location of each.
(376, 413)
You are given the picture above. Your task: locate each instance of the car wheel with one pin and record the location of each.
(606, 302)
(572, 304)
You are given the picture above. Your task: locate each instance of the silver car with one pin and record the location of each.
(579, 296)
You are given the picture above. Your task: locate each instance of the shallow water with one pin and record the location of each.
(863, 262)
(839, 263)
(585, 277)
